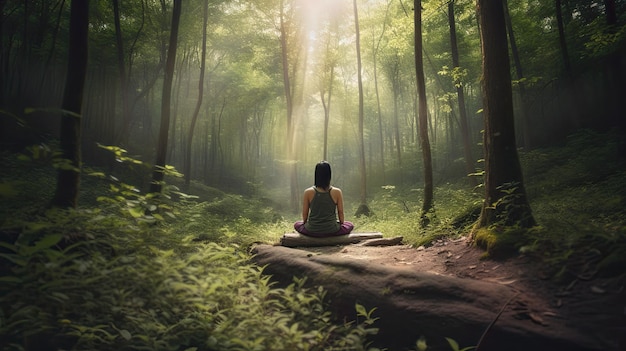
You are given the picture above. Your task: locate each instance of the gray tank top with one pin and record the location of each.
(322, 214)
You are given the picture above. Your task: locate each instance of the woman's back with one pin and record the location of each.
(322, 215)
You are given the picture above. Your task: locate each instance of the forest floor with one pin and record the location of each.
(595, 306)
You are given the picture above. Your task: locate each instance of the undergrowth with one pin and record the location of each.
(578, 196)
(577, 193)
(135, 271)
(131, 271)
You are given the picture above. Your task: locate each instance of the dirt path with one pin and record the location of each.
(596, 306)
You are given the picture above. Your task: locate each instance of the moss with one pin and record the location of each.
(499, 242)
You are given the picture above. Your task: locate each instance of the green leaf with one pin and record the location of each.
(136, 212)
(47, 242)
(10, 279)
(8, 246)
(18, 260)
(125, 334)
(421, 344)
(453, 344)
(360, 310)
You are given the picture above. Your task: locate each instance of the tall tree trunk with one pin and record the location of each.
(525, 116)
(196, 112)
(363, 208)
(68, 177)
(159, 167)
(575, 102)
(376, 47)
(465, 134)
(284, 47)
(505, 196)
(396, 122)
(423, 110)
(55, 33)
(122, 74)
(562, 40)
(326, 106)
(4, 58)
(615, 73)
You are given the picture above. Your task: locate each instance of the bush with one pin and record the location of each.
(210, 299)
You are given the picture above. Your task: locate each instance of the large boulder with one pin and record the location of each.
(411, 304)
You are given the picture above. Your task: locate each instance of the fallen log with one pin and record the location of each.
(412, 303)
(299, 240)
(397, 240)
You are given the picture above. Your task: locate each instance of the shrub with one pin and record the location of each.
(210, 299)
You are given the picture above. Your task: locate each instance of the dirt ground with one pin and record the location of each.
(595, 305)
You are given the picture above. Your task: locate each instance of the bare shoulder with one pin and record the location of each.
(308, 192)
(336, 192)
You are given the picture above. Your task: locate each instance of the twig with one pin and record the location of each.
(482, 337)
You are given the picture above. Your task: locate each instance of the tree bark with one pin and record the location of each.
(465, 135)
(68, 177)
(423, 110)
(505, 195)
(363, 208)
(122, 74)
(196, 112)
(562, 40)
(525, 116)
(289, 99)
(158, 174)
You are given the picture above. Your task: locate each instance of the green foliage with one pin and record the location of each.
(120, 276)
(455, 345)
(397, 212)
(578, 196)
(421, 345)
(210, 298)
(110, 277)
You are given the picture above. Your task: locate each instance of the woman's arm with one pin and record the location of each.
(306, 202)
(339, 205)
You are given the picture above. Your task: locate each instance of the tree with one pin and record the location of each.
(525, 117)
(326, 81)
(194, 118)
(427, 205)
(159, 167)
(122, 70)
(290, 62)
(375, 50)
(465, 135)
(505, 200)
(562, 40)
(68, 177)
(363, 208)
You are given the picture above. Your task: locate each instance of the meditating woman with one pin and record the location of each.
(322, 207)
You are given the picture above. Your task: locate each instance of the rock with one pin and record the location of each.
(382, 241)
(412, 303)
(299, 240)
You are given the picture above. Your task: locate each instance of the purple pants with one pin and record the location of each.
(345, 228)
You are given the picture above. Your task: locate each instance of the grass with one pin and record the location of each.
(129, 271)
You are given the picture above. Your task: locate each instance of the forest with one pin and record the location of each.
(148, 145)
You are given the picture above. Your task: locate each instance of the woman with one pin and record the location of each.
(322, 207)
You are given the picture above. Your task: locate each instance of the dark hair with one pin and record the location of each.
(322, 175)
